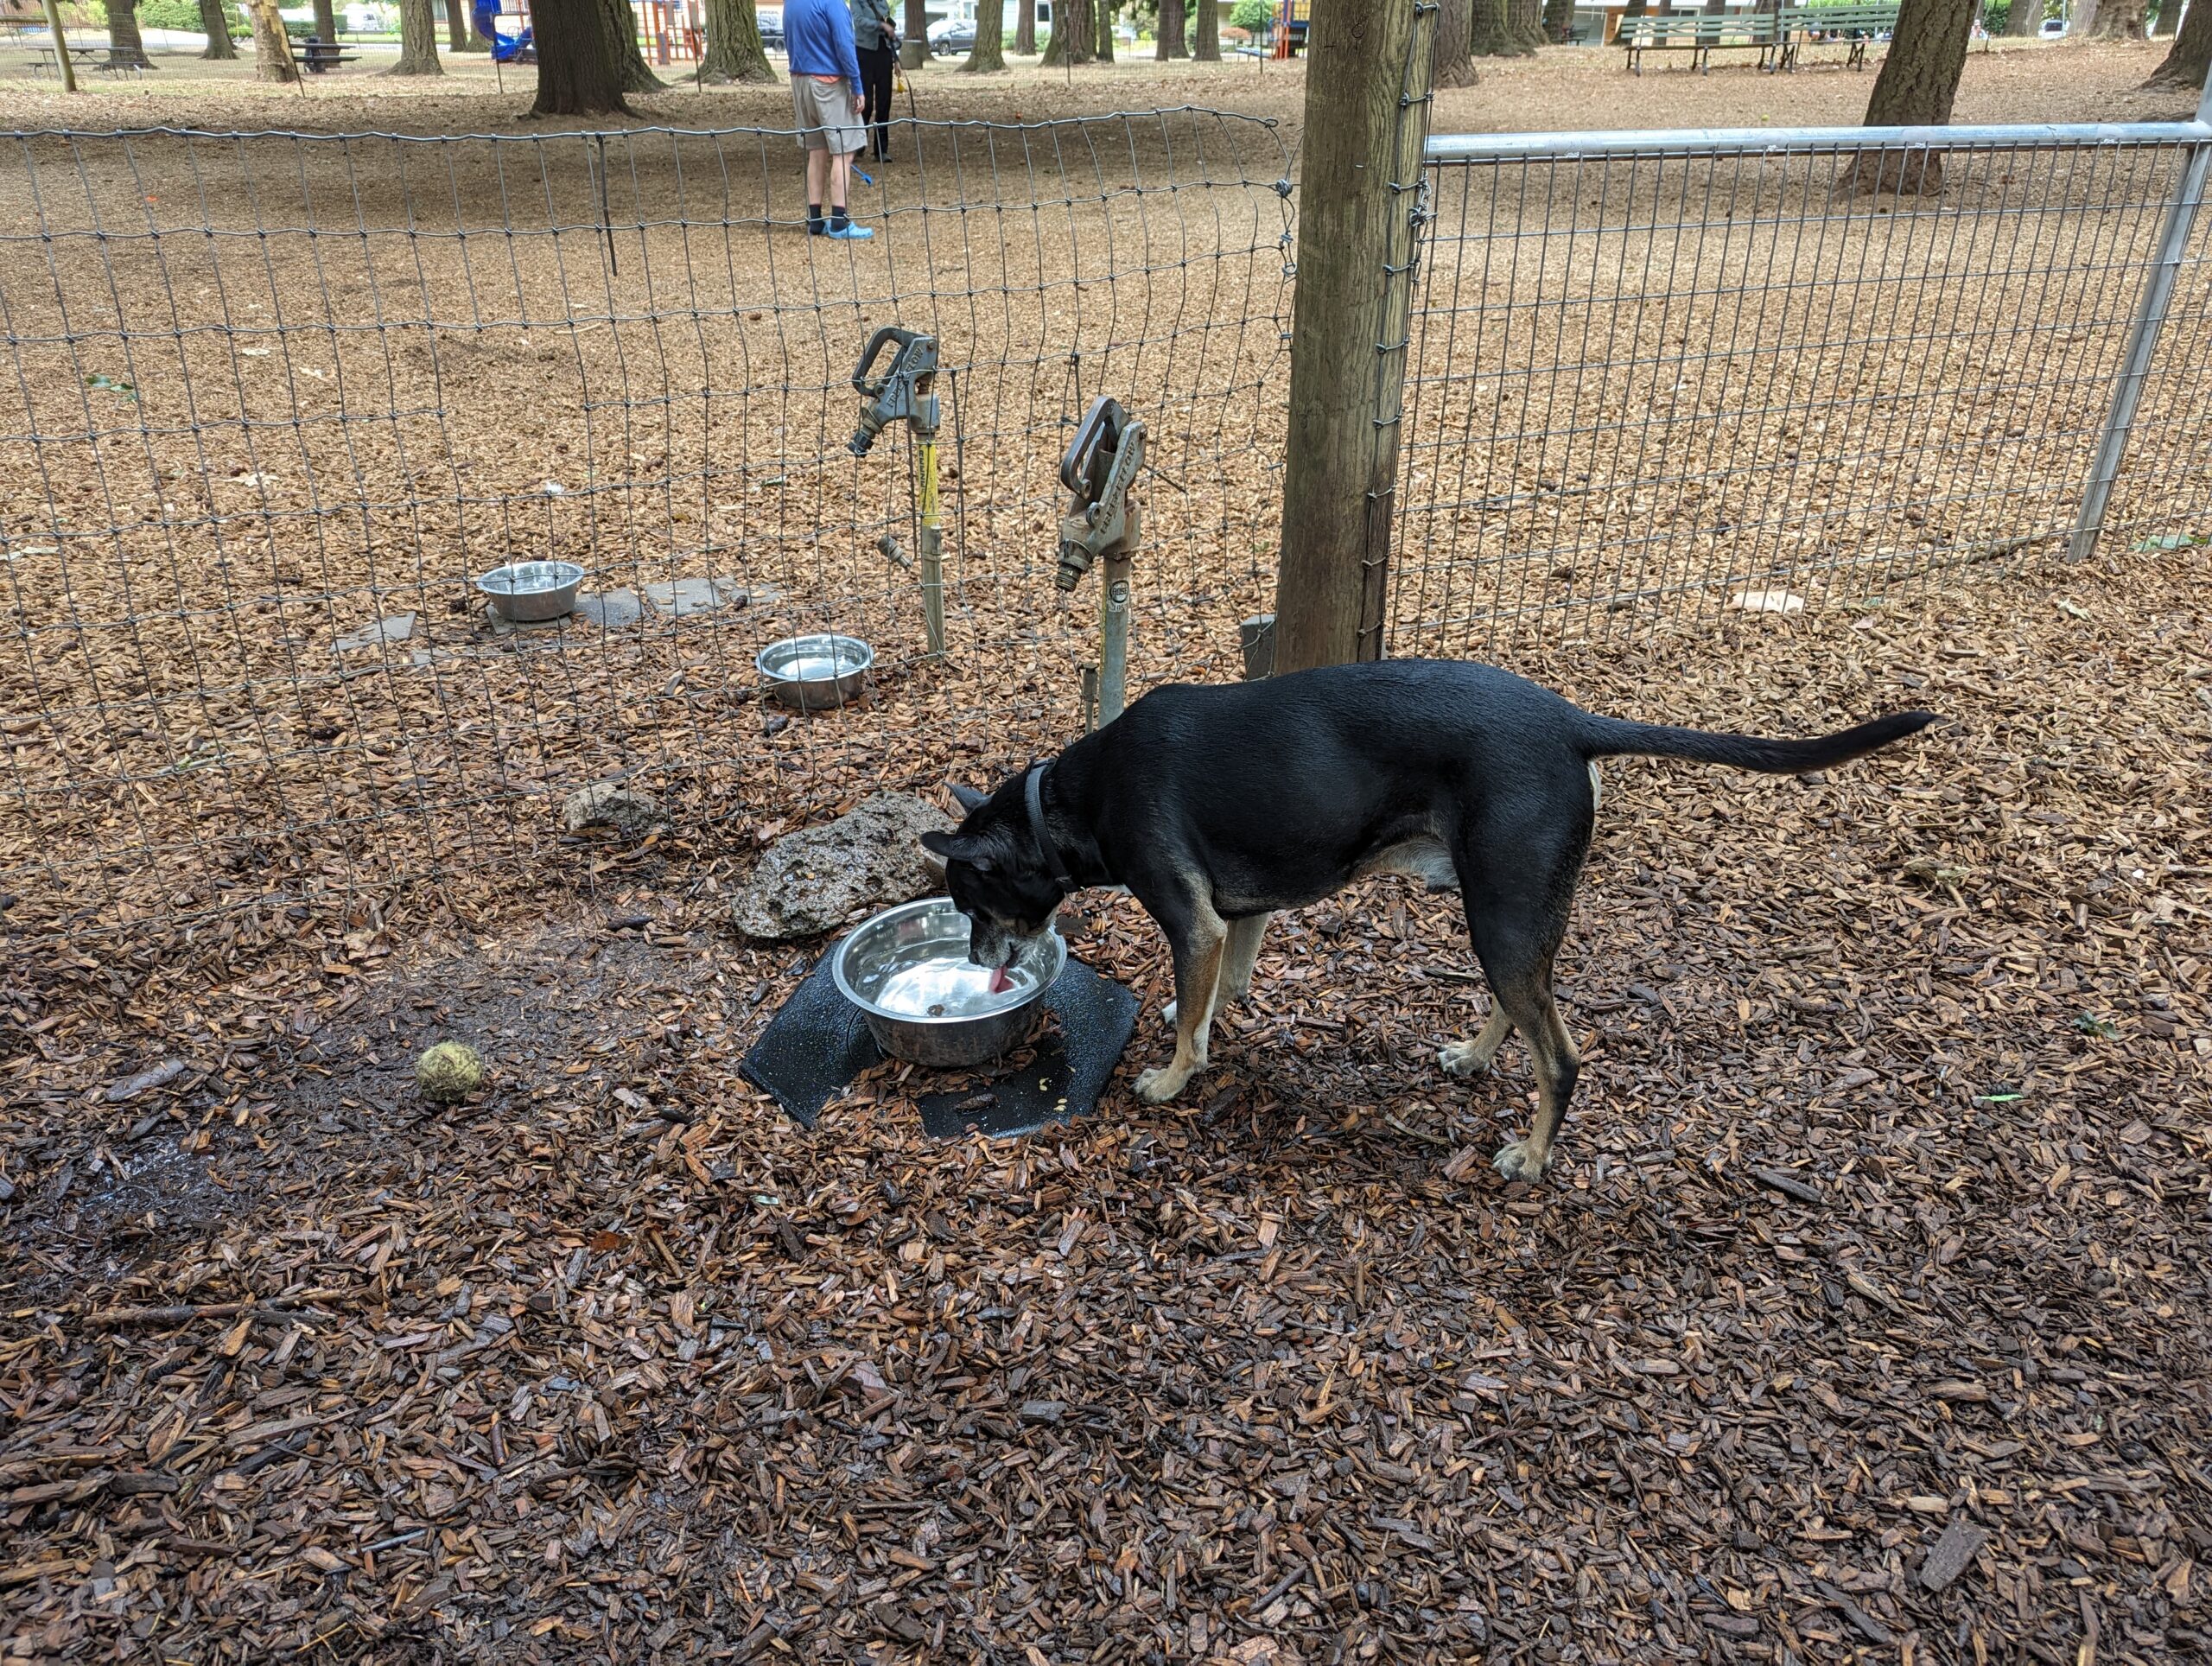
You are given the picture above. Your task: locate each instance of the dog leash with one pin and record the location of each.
(1032, 791)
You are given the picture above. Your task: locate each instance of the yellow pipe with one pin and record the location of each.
(932, 551)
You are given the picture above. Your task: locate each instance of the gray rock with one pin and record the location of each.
(398, 627)
(821, 878)
(686, 597)
(611, 611)
(609, 804)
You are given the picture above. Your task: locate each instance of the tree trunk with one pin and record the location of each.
(326, 22)
(2120, 20)
(459, 36)
(1070, 40)
(576, 73)
(2162, 21)
(1173, 40)
(1207, 48)
(1524, 20)
(273, 60)
(2081, 20)
(1342, 462)
(988, 56)
(1025, 28)
(1452, 66)
(1489, 34)
(915, 51)
(1558, 21)
(2025, 17)
(630, 70)
(124, 44)
(1102, 14)
(215, 21)
(1918, 81)
(734, 52)
(418, 41)
(2190, 58)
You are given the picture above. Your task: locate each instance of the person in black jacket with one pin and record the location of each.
(876, 35)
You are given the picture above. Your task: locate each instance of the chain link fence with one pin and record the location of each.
(272, 401)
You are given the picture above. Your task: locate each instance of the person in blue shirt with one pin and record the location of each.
(826, 99)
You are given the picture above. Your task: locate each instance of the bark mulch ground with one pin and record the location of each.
(1863, 1317)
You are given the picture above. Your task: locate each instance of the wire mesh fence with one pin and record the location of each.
(274, 400)
(1658, 374)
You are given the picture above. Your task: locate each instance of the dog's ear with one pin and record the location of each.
(970, 800)
(955, 847)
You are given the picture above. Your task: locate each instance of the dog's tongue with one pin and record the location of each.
(1000, 982)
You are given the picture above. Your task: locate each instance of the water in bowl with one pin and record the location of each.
(954, 989)
(814, 668)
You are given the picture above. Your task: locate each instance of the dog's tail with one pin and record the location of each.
(1610, 737)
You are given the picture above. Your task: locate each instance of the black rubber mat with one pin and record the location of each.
(813, 1049)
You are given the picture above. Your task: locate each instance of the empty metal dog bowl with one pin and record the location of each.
(907, 970)
(529, 592)
(815, 671)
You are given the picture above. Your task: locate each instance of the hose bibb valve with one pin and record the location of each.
(905, 392)
(1103, 524)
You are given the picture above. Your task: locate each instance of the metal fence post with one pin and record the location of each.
(2143, 337)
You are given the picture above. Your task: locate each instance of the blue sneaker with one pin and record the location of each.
(849, 232)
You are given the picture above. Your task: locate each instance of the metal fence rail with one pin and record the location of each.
(271, 400)
(1657, 373)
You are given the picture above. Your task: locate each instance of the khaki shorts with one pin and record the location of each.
(826, 119)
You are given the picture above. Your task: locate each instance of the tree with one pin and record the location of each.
(1101, 15)
(1353, 224)
(1918, 81)
(326, 21)
(2025, 18)
(1558, 21)
(2189, 58)
(630, 66)
(2162, 20)
(1208, 47)
(1071, 35)
(1453, 64)
(124, 44)
(2120, 20)
(215, 24)
(734, 52)
(418, 41)
(1525, 21)
(914, 50)
(1489, 33)
(988, 54)
(1171, 41)
(1025, 28)
(576, 69)
(272, 50)
(460, 36)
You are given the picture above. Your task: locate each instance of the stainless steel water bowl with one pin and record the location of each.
(531, 592)
(908, 972)
(814, 672)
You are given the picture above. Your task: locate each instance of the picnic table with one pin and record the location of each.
(47, 61)
(322, 55)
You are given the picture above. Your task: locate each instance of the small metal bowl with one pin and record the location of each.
(907, 970)
(814, 672)
(531, 592)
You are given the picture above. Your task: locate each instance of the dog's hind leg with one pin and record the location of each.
(1239, 951)
(1472, 1058)
(1198, 936)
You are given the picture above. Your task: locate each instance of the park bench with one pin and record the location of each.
(1854, 25)
(322, 55)
(1702, 35)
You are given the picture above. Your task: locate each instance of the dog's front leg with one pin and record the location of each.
(1196, 934)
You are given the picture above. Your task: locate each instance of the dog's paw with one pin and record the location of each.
(1167, 1014)
(1464, 1059)
(1516, 1162)
(1157, 1087)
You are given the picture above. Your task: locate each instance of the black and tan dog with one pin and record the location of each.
(1217, 806)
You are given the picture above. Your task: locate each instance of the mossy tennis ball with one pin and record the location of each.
(448, 1072)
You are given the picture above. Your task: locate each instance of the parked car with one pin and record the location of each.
(952, 36)
(771, 27)
(2052, 28)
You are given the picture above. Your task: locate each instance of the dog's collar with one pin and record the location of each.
(1032, 792)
